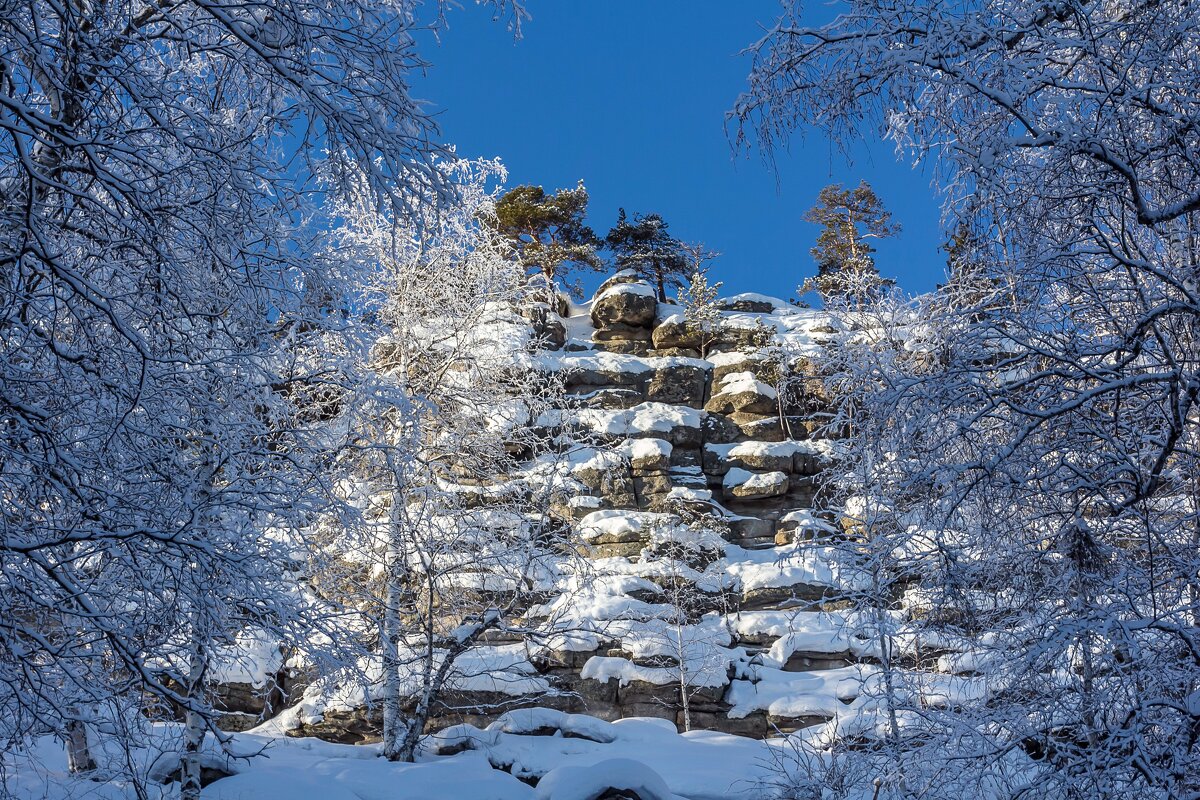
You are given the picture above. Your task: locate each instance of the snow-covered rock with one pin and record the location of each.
(632, 779)
(742, 484)
(630, 304)
(742, 392)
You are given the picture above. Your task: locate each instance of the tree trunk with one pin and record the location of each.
(79, 755)
(195, 728)
(393, 724)
(681, 655)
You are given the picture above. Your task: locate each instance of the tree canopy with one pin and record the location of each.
(850, 220)
(548, 231)
(645, 246)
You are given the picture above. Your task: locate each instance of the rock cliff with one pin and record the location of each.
(712, 597)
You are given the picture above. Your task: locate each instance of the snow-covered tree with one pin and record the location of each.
(701, 312)
(850, 220)
(1041, 450)
(456, 536)
(548, 231)
(646, 247)
(163, 322)
(690, 631)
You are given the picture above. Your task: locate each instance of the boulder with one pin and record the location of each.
(725, 364)
(621, 332)
(674, 332)
(741, 392)
(631, 304)
(604, 371)
(549, 331)
(753, 455)
(680, 352)
(650, 489)
(804, 661)
(752, 529)
(678, 384)
(607, 478)
(801, 595)
(685, 458)
(743, 485)
(581, 505)
(806, 463)
(719, 429)
(648, 455)
(618, 278)
(752, 303)
(760, 428)
(628, 347)
(609, 399)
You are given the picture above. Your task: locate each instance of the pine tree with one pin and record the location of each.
(645, 246)
(548, 231)
(700, 312)
(849, 220)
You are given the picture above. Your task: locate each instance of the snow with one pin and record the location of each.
(780, 449)
(254, 658)
(617, 523)
(644, 418)
(700, 765)
(781, 623)
(584, 501)
(504, 669)
(624, 671)
(755, 297)
(789, 565)
(806, 520)
(686, 494)
(738, 382)
(592, 458)
(533, 720)
(824, 693)
(731, 357)
(592, 781)
(613, 363)
(646, 449)
(738, 478)
(639, 288)
(284, 776)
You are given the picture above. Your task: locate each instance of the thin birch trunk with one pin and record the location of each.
(195, 727)
(79, 755)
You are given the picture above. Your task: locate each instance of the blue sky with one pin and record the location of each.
(630, 96)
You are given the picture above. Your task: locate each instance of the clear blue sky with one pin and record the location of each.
(630, 96)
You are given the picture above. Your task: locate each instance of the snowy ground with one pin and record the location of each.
(567, 756)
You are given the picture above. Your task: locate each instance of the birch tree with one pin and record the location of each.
(157, 166)
(460, 546)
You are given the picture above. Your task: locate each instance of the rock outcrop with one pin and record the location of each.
(695, 490)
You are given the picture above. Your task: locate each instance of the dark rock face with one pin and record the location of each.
(679, 385)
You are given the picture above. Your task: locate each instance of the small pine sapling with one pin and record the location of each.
(701, 314)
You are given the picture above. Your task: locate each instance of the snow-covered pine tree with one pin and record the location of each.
(701, 314)
(850, 220)
(548, 232)
(645, 246)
